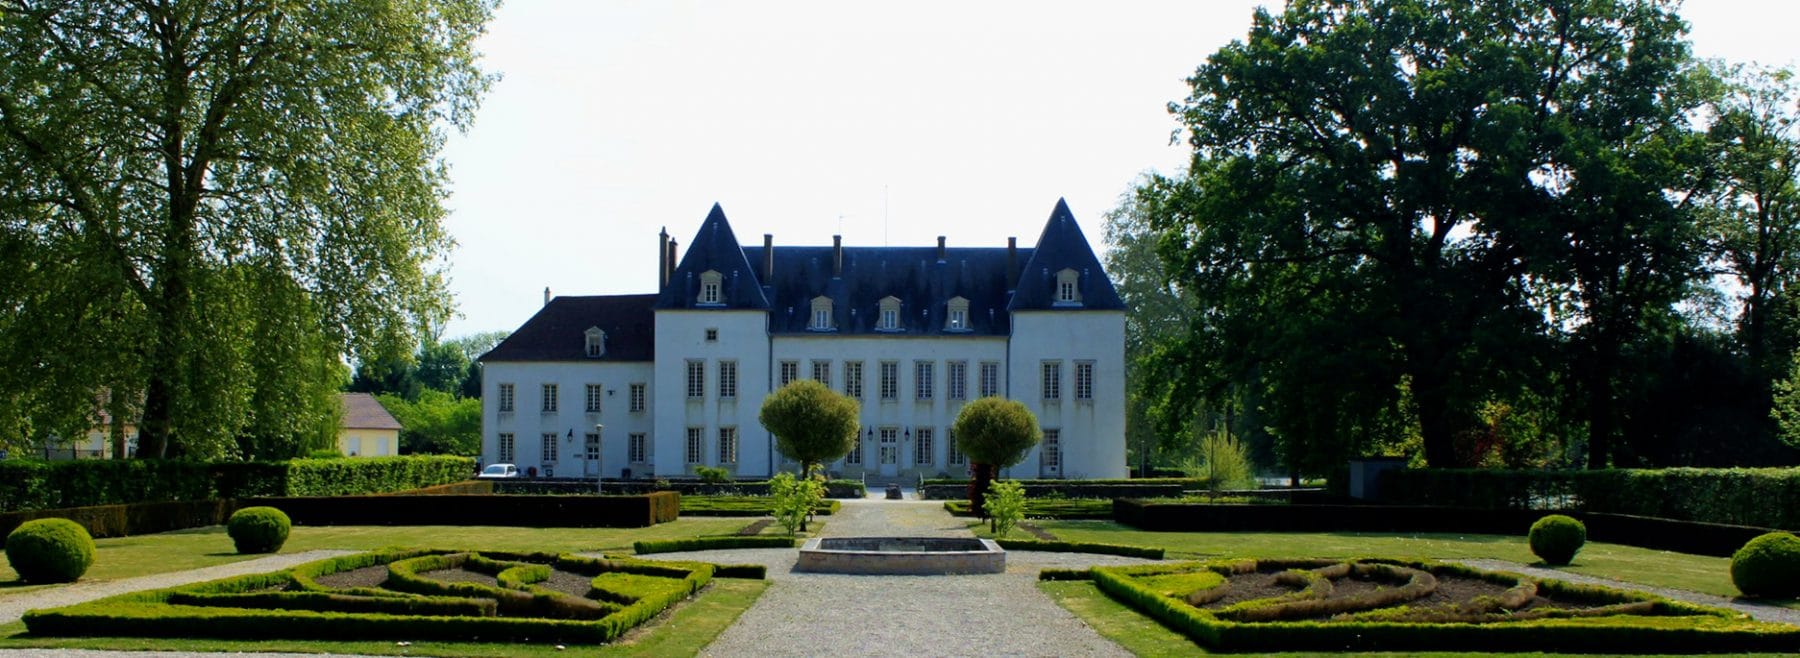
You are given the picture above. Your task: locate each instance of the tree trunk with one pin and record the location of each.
(978, 486)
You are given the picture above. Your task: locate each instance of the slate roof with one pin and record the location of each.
(363, 412)
(714, 248)
(558, 332)
(1063, 246)
(923, 284)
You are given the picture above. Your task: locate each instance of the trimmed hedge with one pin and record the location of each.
(744, 506)
(258, 529)
(1711, 631)
(1556, 538)
(1759, 497)
(712, 543)
(34, 485)
(1148, 553)
(147, 614)
(130, 519)
(1048, 508)
(535, 511)
(686, 487)
(330, 602)
(1108, 489)
(1768, 566)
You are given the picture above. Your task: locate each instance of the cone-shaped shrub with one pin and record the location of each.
(1767, 566)
(1556, 538)
(50, 551)
(258, 529)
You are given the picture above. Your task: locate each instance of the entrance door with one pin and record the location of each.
(890, 451)
(591, 455)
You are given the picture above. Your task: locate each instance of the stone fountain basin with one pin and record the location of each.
(916, 556)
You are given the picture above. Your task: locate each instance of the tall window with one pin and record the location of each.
(853, 379)
(890, 380)
(923, 379)
(728, 448)
(990, 379)
(696, 378)
(596, 342)
(957, 386)
(709, 287)
(696, 440)
(922, 454)
(957, 316)
(506, 397)
(1067, 291)
(854, 457)
(821, 314)
(727, 379)
(790, 371)
(956, 454)
(549, 446)
(635, 448)
(637, 398)
(591, 397)
(506, 447)
(1051, 452)
(822, 372)
(1052, 380)
(890, 314)
(549, 398)
(591, 447)
(1084, 380)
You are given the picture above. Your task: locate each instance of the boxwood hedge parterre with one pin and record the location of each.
(1305, 615)
(410, 604)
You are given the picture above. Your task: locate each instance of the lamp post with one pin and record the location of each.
(599, 440)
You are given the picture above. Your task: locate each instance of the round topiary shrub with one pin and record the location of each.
(50, 551)
(1768, 566)
(258, 529)
(1556, 538)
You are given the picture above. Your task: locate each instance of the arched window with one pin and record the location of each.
(890, 314)
(596, 343)
(821, 314)
(957, 317)
(710, 281)
(1067, 292)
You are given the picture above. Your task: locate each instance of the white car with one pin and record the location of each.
(498, 471)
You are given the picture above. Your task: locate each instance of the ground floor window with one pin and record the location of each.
(922, 448)
(506, 448)
(696, 436)
(854, 457)
(728, 445)
(956, 454)
(635, 448)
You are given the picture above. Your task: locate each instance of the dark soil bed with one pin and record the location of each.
(568, 582)
(755, 527)
(1451, 591)
(365, 577)
(460, 576)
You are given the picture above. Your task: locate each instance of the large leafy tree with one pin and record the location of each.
(163, 163)
(1388, 198)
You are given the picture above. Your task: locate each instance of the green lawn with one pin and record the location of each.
(1143, 636)
(1695, 573)
(124, 557)
(691, 627)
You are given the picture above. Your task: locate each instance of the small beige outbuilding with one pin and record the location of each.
(368, 430)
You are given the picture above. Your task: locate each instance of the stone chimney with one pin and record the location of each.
(669, 274)
(662, 260)
(768, 269)
(940, 249)
(837, 255)
(1012, 263)
(546, 295)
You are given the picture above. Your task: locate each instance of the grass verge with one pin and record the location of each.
(682, 632)
(181, 550)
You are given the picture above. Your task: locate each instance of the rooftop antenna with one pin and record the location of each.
(884, 216)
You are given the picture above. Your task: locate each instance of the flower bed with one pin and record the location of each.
(402, 594)
(1398, 605)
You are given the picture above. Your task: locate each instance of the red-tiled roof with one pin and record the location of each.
(363, 412)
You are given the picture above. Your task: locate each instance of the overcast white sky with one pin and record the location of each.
(891, 123)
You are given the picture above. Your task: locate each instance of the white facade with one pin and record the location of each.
(731, 323)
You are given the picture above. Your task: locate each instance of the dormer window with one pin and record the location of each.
(1067, 292)
(710, 282)
(890, 314)
(821, 314)
(957, 319)
(596, 343)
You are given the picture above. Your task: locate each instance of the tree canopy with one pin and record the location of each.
(1452, 225)
(812, 424)
(205, 206)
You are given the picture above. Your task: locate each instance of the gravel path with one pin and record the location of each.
(1757, 611)
(13, 606)
(806, 614)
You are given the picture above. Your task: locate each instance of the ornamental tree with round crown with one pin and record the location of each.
(812, 424)
(995, 433)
